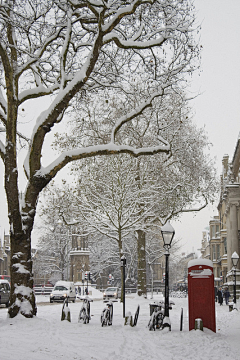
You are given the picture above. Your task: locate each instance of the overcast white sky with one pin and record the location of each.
(218, 108)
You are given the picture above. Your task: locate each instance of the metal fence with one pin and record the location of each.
(42, 290)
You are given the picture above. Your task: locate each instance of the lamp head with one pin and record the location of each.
(235, 259)
(168, 233)
(123, 260)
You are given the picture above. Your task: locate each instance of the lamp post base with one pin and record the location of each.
(166, 323)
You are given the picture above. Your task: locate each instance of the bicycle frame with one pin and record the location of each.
(157, 317)
(107, 314)
(84, 313)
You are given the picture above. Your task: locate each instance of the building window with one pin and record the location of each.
(215, 231)
(213, 252)
(218, 251)
(212, 231)
(225, 245)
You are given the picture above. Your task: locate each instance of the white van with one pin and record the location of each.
(63, 290)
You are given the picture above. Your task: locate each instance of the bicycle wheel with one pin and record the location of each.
(108, 320)
(104, 318)
(86, 320)
(160, 321)
(151, 324)
(82, 316)
(102, 321)
(85, 317)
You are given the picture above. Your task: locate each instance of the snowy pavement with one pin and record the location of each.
(47, 337)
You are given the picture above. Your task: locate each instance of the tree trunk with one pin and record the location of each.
(151, 269)
(142, 281)
(21, 213)
(22, 298)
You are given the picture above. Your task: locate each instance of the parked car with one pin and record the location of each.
(111, 292)
(5, 277)
(4, 292)
(63, 290)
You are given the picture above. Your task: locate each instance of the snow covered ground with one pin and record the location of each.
(47, 337)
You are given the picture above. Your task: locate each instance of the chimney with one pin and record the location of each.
(225, 166)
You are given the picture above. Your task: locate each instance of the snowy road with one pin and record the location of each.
(46, 337)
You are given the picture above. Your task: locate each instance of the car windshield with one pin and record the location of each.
(60, 288)
(111, 289)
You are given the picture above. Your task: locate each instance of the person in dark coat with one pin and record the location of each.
(226, 295)
(220, 297)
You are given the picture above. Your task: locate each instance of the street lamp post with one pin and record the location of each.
(168, 233)
(60, 224)
(123, 264)
(234, 259)
(67, 255)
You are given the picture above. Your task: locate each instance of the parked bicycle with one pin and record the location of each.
(157, 316)
(84, 314)
(107, 313)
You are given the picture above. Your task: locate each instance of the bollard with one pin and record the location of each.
(66, 311)
(66, 314)
(128, 319)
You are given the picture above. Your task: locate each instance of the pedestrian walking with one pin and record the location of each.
(226, 295)
(220, 296)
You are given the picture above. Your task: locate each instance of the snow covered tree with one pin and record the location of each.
(171, 185)
(104, 259)
(54, 243)
(60, 49)
(109, 200)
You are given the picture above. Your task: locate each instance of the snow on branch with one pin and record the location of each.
(134, 113)
(94, 3)
(33, 59)
(108, 149)
(174, 213)
(123, 12)
(37, 92)
(133, 44)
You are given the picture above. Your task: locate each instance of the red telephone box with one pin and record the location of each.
(201, 294)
